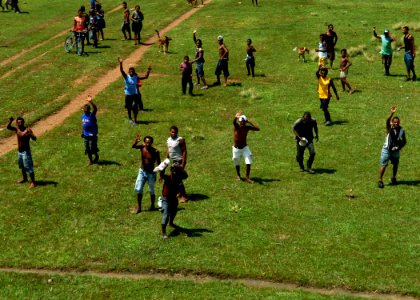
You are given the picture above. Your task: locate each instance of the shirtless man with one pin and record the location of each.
(410, 53)
(199, 61)
(149, 156)
(331, 40)
(24, 135)
(240, 132)
(222, 64)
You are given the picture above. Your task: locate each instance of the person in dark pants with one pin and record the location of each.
(171, 185)
(250, 59)
(304, 129)
(410, 53)
(137, 24)
(386, 49)
(325, 83)
(395, 140)
(125, 28)
(90, 131)
(186, 78)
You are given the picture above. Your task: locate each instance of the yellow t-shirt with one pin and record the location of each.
(324, 87)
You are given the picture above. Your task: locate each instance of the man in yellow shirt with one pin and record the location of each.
(325, 83)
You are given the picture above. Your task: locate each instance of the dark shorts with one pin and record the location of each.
(133, 102)
(199, 68)
(409, 60)
(222, 65)
(136, 27)
(125, 27)
(91, 144)
(324, 103)
(331, 53)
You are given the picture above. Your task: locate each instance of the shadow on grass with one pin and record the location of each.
(108, 163)
(234, 84)
(264, 180)
(193, 232)
(103, 47)
(325, 171)
(46, 182)
(408, 182)
(147, 122)
(197, 197)
(260, 75)
(397, 75)
(340, 122)
(148, 109)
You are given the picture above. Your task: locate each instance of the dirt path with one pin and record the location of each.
(58, 118)
(253, 283)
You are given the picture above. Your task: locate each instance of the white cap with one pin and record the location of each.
(243, 118)
(220, 38)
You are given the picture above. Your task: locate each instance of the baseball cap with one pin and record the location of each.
(220, 38)
(386, 31)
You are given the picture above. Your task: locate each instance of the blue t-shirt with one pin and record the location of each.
(131, 85)
(90, 126)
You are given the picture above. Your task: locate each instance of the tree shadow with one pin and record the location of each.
(197, 197)
(408, 182)
(108, 163)
(46, 182)
(325, 171)
(263, 181)
(339, 122)
(193, 232)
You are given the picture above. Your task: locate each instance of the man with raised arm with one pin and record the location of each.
(24, 135)
(241, 127)
(149, 156)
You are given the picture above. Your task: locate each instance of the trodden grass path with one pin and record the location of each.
(58, 118)
(203, 278)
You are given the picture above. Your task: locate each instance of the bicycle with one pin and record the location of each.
(75, 40)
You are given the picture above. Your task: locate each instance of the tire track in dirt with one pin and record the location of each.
(23, 52)
(58, 118)
(203, 278)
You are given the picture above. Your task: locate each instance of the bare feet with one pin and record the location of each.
(183, 199)
(249, 180)
(138, 210)
(351, 91)
(32, 185)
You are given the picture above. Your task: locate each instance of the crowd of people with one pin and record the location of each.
(305, 128)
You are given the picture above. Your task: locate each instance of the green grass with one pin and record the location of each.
(288, 227)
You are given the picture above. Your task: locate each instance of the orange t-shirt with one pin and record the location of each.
(79, 23)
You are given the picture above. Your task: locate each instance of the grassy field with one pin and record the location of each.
(287, 227)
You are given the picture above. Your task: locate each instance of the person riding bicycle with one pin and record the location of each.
(79, 28)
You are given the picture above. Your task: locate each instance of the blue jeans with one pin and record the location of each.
(169, 210)
(25, 161)
(409, 61)
(141, 181)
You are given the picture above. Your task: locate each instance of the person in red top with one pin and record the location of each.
(79, 27)
(171, 185)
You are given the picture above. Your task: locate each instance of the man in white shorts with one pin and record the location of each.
(240, 132)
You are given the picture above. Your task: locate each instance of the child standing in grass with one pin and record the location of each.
(345, 64)
(90, 131)
(24, 135)
(250, 59)
(186, 68)
(325, 83)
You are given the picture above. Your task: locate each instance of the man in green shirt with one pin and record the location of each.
(386, 49)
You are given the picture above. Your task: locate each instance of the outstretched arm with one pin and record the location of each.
(147, 73)
(120, 60)
(95, 108)
(9, 125)
(375, 34)
(136, 142)
(334, 89)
